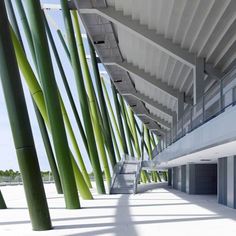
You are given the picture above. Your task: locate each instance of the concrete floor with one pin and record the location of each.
(155, 210)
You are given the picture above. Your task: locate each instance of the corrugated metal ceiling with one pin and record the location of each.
(205, 28)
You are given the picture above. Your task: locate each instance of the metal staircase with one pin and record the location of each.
(125, 177)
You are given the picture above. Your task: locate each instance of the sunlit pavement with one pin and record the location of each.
(155, 210)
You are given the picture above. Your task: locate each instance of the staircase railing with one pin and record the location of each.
(214, 102)
(117, 169)
(137, 176)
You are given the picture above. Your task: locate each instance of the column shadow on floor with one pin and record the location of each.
(122, 221)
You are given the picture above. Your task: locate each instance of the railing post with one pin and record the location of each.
(191, 119)
(203, 108)
(221, 95)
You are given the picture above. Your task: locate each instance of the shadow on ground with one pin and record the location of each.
(123, 222)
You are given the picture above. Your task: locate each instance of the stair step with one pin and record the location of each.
(124, 180)
(122, 190)
(129, 168)
(132, 162)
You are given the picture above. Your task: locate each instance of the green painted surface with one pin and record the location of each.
(21, 130)
(49, 86)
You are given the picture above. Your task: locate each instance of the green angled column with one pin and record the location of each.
(155, 174)
(21, 130)
(111, 112)
(52, 103)
(83, 98)
(152, 140)
(66, 119)
(140, 133)
(48, 149)
(40, 120)
(133, 127)
(142, 142)
(134, 132)
(66, 85)
(2, 202)
(12, 18)
(119, 119)
(104, 112)
(64, 44)
(94, 113)
(74, 109)
(38, 97)
(114, 140)
(74, 143)
(127, 130)
(147, 138)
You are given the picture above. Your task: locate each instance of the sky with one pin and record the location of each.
(8, 159)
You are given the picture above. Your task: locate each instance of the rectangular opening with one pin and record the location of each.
(99, 42)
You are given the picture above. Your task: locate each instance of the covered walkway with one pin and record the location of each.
(155, 210)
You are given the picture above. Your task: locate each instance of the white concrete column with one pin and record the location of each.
(169, 176)
(222, 181)
(230, 182)
(183, 178)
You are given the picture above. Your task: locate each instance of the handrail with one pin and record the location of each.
(213, 103)
(137, 175)
(116, 171)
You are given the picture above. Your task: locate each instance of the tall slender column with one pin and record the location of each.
(82, 97)
(127, 130)
(21, 130)
(118, 115)
(40, 120)
(169, 176)
(102, 102)
(48, 149)
(52, 103)
(66, 85)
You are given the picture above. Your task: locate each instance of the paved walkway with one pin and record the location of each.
(156, 210)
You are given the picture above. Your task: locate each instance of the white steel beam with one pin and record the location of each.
(213, 72)
(156, 118)
(141, 31)
(150, 79)
(151, 102)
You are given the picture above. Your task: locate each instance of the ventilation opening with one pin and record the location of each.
(118, 81)
(99, 42)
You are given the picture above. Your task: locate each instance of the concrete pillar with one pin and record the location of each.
(231, 181)
(169, 176)
(198, 83)
(190, 179)
(226, 181)
(172, 177)
(183, 178)
(222, 181)
(177, 177)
